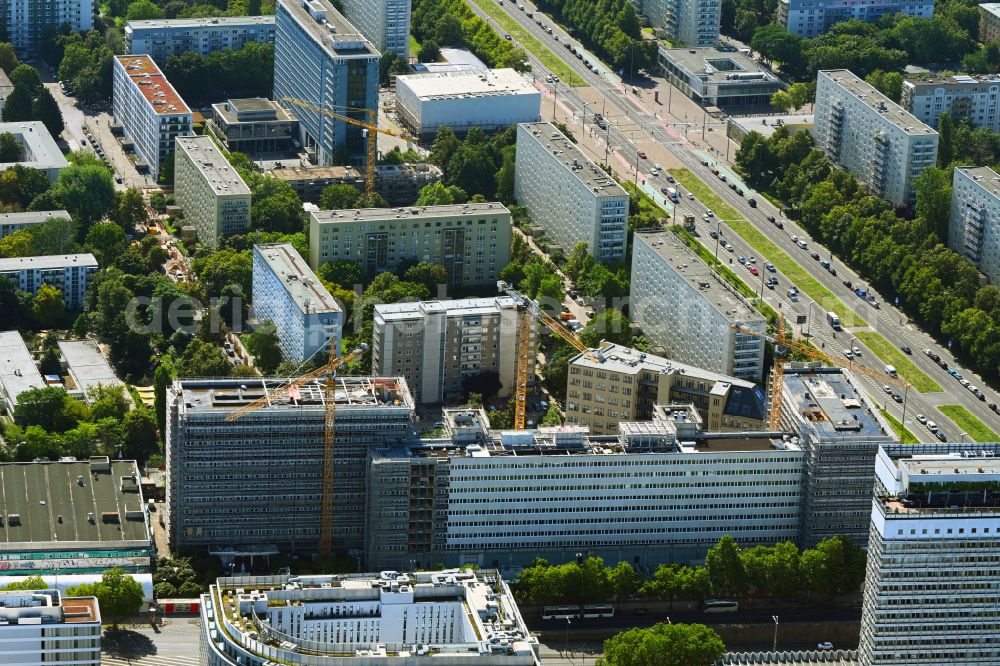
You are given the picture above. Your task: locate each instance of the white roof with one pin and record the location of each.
(18, 372)
(466, 84)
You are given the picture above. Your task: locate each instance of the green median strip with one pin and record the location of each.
(526, 39)
(906, 368)
(969, 424)
(905, 436)
(762, 244)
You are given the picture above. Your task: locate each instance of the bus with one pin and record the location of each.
(834, 320)
(592, 611)
(720, 606)
(560, 612)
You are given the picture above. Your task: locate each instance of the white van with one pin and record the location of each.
(891, 371)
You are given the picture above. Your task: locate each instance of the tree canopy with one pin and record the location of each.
(663, 645)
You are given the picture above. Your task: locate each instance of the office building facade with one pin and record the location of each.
(962, 96)
(208, 189)
(974, 226)
(471, 241)
(25, 22)
(254, 126)
(306, 317)
(13, 222)
(223, 500)
(812, 18)
(148, 108)
(39, 627)
(70, 273)
(718, 78)
(568, 195)
(384, 23)
(162, 38)
(866, 133)
(322, 60)
(684, 308)
(686, 22)
(436, 345)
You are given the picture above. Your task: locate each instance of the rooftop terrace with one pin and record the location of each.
(150, 81)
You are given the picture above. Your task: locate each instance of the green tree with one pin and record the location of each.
(933, 191)
(339, 197)
(33, 582)
(139, 434)
(946, 149)
(45, 109)
(48, 306)
(142, 10)
(428, 274)
(108, 402)
(725, 568)
(343, 272)
(438, 194)
(162, 379)
(429, 51)
(119, 595)
(781, 101)
(27, 76)
(10, 148)
(49, 408)
(18, 106)
(610, 325)
(86, 192)
(106, 241)
(263, 343)
(202, 359)
(129, 210)
(835, 566)
(8, 59)
(663, 645)
(556, 369)
(505, 177)
(889, 84)
(18, 244)
(55, 236)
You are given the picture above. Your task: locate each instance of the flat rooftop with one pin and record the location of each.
(212, 164)
(953, 482)
(625, 360)
(328, 28)
(153, 85)
(407, 213)
(959, 80)
(829, 400)
(454, 60)
(709, 64)
(984, 177)
(208, 23)
(466, 84)
(71, 502)
(302, 285)
(574, 160)
(352, 392)
(699, 275)
(87, 365)
(55, 261)
(991, 7)
(877, 102)
(38, 607)
(31, 216)
(18, 372)
(40, 149)
(300, 173)
(457, 308)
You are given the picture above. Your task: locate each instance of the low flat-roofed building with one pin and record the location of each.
(87, 367)
(310, 181)
(398, 184)
(44, 627)
(463, 617)
(14, 222)
(38, 149)
(70, 273)
(18, 372)
(452, 60)
(254, 126)
(490, 99)
(73, 517)
(718, 78)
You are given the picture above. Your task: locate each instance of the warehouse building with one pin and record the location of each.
(44, 627)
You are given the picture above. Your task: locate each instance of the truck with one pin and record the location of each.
(672, 193)
(833, 320)
(689, 222)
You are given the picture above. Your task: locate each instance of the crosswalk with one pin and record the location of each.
(153, 660)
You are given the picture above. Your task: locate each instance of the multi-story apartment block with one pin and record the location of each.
(962, 96)
(471, 241)
(459, 616)
(490, 99)
(306, 317)
(686, 309)
(38, 149)
(214, 198)
(218, 495)
(385, 23)
(254, 126)
(436, 345)
(974, 229)
(989, 22)
(39, 627)
(399, 184)
(840, 431)
(148, 108)
(70, 273)
(718, 78)
(664, 492)
(24, 23)
(614, 383)
(18, 372)
(568, 195)
(865, 132)
(811, 18)
(162, 38)
(13, 222)
(321, 59)
(931, 585)
(686, 22)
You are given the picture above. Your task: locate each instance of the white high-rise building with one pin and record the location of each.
(811, 18)
(321, 59)
(435, 345)
(288, 294)
(41, 627)
(962, 96)
(686, 22)
(24, 21)
(214, 198)
(686, 309)
(974, 229)
(932, 586)
(162, 38)
(385, 23)
(568, 195)
(866, 133)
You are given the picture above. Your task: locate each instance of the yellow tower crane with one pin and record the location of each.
(783, 343)
(371, 126)
(528, 310)
(290, 391)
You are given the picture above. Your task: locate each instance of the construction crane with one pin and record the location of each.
(528, 309)
(371, 126)
(291, 391)
(783, 344)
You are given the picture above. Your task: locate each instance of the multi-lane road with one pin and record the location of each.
(635, 122)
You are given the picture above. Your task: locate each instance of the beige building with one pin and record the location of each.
(213, 196)
(471, 241)
(437, 344)
(616, 383)
(989, 22)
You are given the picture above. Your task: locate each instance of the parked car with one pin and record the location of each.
(921, 418)
(825, 645)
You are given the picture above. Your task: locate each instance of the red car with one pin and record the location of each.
(642, 154)
(754, 271)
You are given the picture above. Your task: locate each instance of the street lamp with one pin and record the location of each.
(809, 319)
(774, 646)
(567, 637)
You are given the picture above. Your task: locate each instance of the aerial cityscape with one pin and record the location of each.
(501, 332)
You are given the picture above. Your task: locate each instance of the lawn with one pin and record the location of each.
(414, 46)
(905, 436)
(645, 202)
(886, 351)
(542, 52)
(968, 422)
(762, 244)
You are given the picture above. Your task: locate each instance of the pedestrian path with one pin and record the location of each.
(153, 660)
